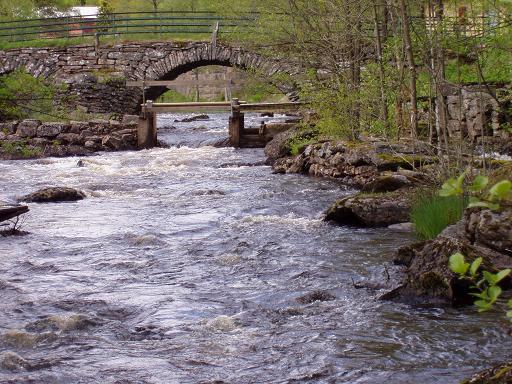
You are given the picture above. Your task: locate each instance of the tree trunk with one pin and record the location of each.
(412, 68)
(378, 44)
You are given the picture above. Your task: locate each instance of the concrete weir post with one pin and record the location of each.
(236, 124)
(147, 130)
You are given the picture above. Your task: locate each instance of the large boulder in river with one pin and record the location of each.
(371, 210)
(53, 195)
(190, 119)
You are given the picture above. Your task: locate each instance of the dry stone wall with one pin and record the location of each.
(65, 139)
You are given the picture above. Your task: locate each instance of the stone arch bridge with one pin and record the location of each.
(95, 77)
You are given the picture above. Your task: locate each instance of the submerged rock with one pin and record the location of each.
(190, 119)
(316, 296)
(14, 362)
(54, 194)
(371, 210)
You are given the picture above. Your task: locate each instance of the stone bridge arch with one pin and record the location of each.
(178, 62)
(95, 77)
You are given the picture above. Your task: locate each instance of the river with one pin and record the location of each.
(184, 265)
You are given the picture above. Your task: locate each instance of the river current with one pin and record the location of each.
(185, 265)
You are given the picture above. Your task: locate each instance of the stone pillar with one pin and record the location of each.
(236, 124)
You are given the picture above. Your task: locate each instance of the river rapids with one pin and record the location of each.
(193, 264)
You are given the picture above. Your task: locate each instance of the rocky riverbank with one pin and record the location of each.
(33, 138)
(388, 175)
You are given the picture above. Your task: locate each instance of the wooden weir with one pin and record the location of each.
(239, 136)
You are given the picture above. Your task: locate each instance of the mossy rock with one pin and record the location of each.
(501, 374)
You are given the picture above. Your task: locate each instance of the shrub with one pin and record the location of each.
(431, 213)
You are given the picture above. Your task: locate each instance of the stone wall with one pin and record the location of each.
(474, 111)
(66, 139)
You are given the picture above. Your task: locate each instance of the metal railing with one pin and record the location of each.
(194, 25)
(175, 23)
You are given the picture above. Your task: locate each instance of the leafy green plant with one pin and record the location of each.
(493, 198)
(485, 284)
(20, 149)
(431, 214)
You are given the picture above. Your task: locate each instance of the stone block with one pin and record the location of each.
(28, 128)
(9, 127)
(69, 138)
(78, 126)
(130, 120)
(50, 130)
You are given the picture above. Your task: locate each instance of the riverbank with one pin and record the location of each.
(390, 176)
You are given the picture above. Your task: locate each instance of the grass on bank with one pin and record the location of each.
(431, 213)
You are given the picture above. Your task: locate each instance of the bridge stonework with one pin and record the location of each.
(94, 77)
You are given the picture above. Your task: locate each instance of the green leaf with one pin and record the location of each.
(482, 295)
(500, 190)
(458, 264)
(484, 204)
(502, 274)
(491, 278)
(509, 303)
(509, 314)
(474, 266)
(483, 305)
(452, 186)
(494, 292)
(479, 183)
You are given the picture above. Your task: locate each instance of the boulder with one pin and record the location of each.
(54, 194)
(130, 120)
(28, 128)
(501, 374)
(278, 147)
(50, 130)
(112, 142)
(386, 183)
(193, 118)
(428, 279)
(9, 127)
(363, 210)
(69, 138)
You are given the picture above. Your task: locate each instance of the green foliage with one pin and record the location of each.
(431, 214)
(485, 284)
(303, 138)
(497, 196)
(172, 96)
(20, 149)
(23, 96)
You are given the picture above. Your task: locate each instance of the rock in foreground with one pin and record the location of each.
(54, 195)
(371, 210)
(502, 374)
(428, 279)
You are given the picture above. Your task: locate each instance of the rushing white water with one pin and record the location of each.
(184, 265)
